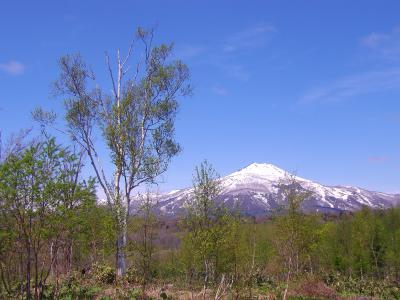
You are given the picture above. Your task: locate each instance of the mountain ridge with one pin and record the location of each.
(255, 190)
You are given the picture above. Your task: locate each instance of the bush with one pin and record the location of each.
(315, 289)
(103, 274)
(132, 275)
(347, 285)
(74, 289)
(123, 293)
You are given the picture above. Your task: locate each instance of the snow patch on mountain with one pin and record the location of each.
(255, 190)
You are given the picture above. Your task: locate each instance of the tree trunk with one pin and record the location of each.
(287, 279)
(121, 243)
(36, 274)
(205, 279)
(52, 266)
(121, 225)
(70, 255)
(28, 271)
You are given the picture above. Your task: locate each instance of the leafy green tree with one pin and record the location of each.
(207, 228)
(10, 245)
(33, 185)
(294, 234)
(391, 232)
(144, 227)
(136, 121)
(239, 254)
(356, 245)
(367, 243)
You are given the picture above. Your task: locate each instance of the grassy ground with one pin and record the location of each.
(298, 291)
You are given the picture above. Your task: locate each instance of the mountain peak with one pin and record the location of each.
(262, 168)
(255, 190)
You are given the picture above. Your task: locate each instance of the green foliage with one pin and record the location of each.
(51, 226)
(103, 274)
(41, 194)
(142, 246)
(124, 293)
(136, 121)
(348, 285)
(294, 235)
(132, 275)
(74, 289)
(205, 246)
(362, 245)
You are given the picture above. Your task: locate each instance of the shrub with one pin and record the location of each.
(347, 285)
(315, 289)
(74, 289)
(103, 274)
(132, 275)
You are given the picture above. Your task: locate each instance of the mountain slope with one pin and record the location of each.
(255, 190)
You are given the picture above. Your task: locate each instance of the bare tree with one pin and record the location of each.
(15, 143)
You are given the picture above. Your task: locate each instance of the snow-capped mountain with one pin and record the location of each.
(255, 190)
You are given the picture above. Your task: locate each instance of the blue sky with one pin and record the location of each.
(310, 86)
